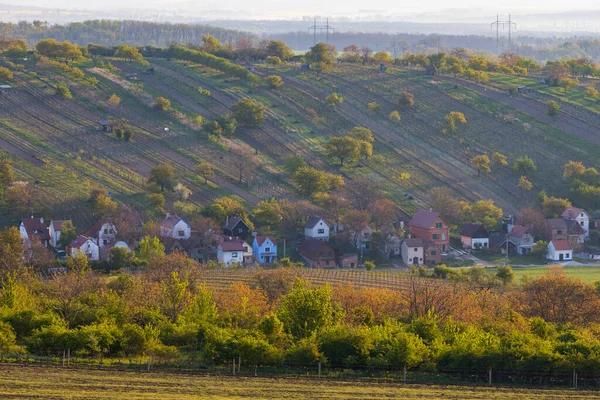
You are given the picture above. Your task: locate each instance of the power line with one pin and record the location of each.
(321, 28)
(503, 24)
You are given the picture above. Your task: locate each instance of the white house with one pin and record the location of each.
(559, 251)
(34, 230)
(175, 227)
(579, 215)
(234, 252)
(85, 245)
(363, 238)
(521, 239)
(413, 250)
(103, 232)
(265, 249)
(474, 236)
(55, 231)
(316, 228)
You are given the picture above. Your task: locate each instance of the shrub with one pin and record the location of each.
(333, 99)
(395, 116)
(162, 104)
(274, 81)
(5, 74)
(62, 91)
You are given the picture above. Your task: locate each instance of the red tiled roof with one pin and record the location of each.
(94, 230)
(414, 242)
(234, 245)
(424, 219)
(261, 240)
(36, 227)
(561, 245)
(518, 231)
(311, 248)
(58, 224)
(79, 241)
(572, 212)
(170, 221)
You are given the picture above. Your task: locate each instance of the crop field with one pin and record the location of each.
(589, 274)
(55, 383)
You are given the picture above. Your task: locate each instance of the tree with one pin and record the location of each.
(128, 52)
(5, 74)
(573, 169)
(351, 54)
(175, 296)
(369, 265)
(394, 116)
(506, 275)
(553, 109)
(310, 181)
(268, 212)
(524, 165)
(333, 99)
(228, 206)
(205, 170)
(384, 212)
(210, 44)
(248, 112)
(481, 163)
(406, 99)
(499, 159)
(454, 65)
(292, 163)
(533, 219)
(19, 198)
(355, 222)
(483, 212)
(381, 57)
(162, 104)
(553, 207)
(164, 176)
(62, 91)
(333, 204)
(304, 311)
(157, 200)
(113, 101)
(128, 133)
(278, 48)
(68, 233)
(539, 248)
(375, 107)
(182, 192)
(437, 60)
(104, 206)
(274, 81)
(452, 119)
(228, 123)
(320, 54)
(149, 248)
(11, 251)
(343, 148)
(592, 93)
(524, 183)
(7, 175)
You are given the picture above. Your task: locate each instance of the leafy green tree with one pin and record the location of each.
(395, 116)
(164, 176)
(310, 181)
(452, 119)
(369, 265)
(8, 337)
(320, 54)
(62, 91)
(104, 206)
(499, 159)
(67, 233)
(128, 52)
(506, 275)
(333, 99)
(553, 207)
(483, 212)
(406, 99)
(481, 163)
(11, 251)
(7, 174)
(274, 81)
(278, 48)
(540, 248)
(150, 247)
(210, 44)
(524, 165)
(175, 296)
(374, 107)
(5, 74)
(157, 200)
(162, 104)
(205, 170)
(343, 148)
(268, 212)
(113, 101)
(228, 123)
(292, 163)
(305, 311)
(553, 109)
(249, 112)
(524, 183)
(592, 93)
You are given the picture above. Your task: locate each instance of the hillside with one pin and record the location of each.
(60, 144)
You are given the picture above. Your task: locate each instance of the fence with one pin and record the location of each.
(575, 379)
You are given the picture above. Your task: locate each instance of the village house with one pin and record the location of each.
(130, 228)
(175, 227)
(103, 232)
(520, 240)
(84, 245)
(391, 246)
(265, 249)
(349, 260)
(363, 238)
(556, 229)
(236, 227)
(429, 226)
(474, 237)
(413, 251)
(33, 231)
(575, 232)
(55, 230)
(559, 251)
(316, 228)
(317, 253)
(579, 215)
(234, 252)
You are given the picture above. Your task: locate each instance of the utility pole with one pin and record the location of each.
(502, 24)
(321, 28)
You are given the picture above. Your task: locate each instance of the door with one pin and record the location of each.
(560, 257)
(268, 259)
(415, 261)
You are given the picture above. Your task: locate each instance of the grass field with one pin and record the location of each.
(589, 274)
(55, 383)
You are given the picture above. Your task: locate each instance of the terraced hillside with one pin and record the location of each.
(59, 144)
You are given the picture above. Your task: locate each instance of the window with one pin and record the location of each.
(420, 258)
(582, 214)
(433, 252)
(327, 262)
(581, 223)
(181, 233)
(245, 249)
(105, 241)
(559, 232)
(267, 249)
(234, 255)
(105, 231)
(240, 230)
(567, 255)
(435, 236)
(438, 225)
(110, 231)
(416, 249)
(321, 231)
(443, 236)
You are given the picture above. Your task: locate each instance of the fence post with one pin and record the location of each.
(256, 370)
(68, 357)
(239, 364)
(404, 379)
(319, 368)
(148, 363)
(574, 379)
(63, 358)
(490, 377)
(233, 365)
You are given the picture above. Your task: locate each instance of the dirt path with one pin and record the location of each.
(567, 123)
(15, 151)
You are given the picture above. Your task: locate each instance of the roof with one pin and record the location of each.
(518, 231)
(58, 224)
(561, 245)
(234, 245)
(497, 238)
(79, 241)
(36, 226)
(573, 227)
(424, 219)
(572, 212)
(232, 222)
(131, 218)
(104, 122)
(312, 222)
(556, 223)
(93, 232)
(5, 87)
(261, 240)
(414, 242)
(474, 230)
(170, 221)
(312, 246)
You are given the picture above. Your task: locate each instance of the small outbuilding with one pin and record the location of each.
(522, 89)
(106, 126)
(5, 88)
(559, 251)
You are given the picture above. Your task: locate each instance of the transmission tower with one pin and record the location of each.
(503, 24)
(321, 28)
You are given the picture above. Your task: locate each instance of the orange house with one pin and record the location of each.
(429, 226)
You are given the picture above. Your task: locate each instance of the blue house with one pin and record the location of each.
(265, 249)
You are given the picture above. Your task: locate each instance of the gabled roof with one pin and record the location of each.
(36, 227)
(561, 245)
(130, 218)
(414, 242)
(311, 247)
(57, 225)
(261, 240)
(232, 222)
(518, 231)
(572, 212)
(312, 222)
(424, 219)
(170, 221)
(234, 245)
(93, 232)
(573, 227)
(473, 230)
(556, 223)
(80, 241)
